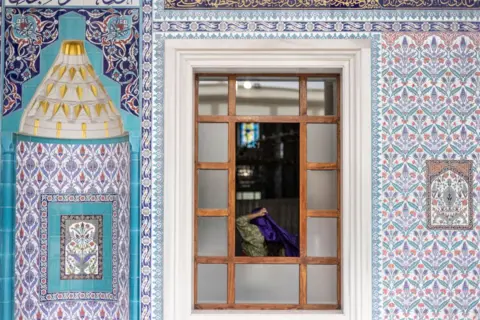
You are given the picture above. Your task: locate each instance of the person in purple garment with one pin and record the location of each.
(262, 236)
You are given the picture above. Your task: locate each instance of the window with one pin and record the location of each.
(273, 142)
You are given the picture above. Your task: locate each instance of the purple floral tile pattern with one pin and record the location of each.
(47, 168)
(114, 31)
(449, 190)
(429, 92)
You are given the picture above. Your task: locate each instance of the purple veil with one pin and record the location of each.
(272, 232)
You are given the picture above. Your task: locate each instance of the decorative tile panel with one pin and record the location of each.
(86, 176)
(427, 109)
(449, 194)
(81, 247)
(54, 287)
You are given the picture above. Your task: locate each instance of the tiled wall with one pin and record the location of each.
(425, 76)
(425, 81)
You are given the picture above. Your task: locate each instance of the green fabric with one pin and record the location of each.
(253, 243)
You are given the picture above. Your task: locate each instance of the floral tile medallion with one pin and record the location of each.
(81, 247)
(449, 192)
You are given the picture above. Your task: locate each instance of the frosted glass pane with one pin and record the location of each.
(212, 236)
(267, 96)
(322, 237)
(213, 96)
(321, 97)
(322, 190)
(213, 142)
(212, 283)
(322, 143)
(322, 284)
(266, 283)
(213, 189)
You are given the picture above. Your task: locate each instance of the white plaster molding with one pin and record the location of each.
(185, 57)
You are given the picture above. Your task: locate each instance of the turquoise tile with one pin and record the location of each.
(134, 220)
(7, 265)
(134, 265)
(6, 310)
(7, 242)
(6, 289)
(55, 210)
(134, 310)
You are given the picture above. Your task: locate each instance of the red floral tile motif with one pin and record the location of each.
(81, 247)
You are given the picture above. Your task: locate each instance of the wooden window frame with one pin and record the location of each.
(231, 260)
(172, 264)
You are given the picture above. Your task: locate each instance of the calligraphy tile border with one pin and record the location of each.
(160, 14)
(450, 165)
(299, 5)
(63, 219)
(46, 296)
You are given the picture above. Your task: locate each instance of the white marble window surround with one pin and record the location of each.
(352, 59)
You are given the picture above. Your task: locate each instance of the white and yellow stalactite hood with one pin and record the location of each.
(71, 102)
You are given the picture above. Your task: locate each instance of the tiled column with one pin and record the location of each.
(7, 229)
(134, 233)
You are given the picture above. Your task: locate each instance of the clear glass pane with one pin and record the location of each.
(213, 142)
(267, 96)
(322, 237)
(212, 283)
(266, 283)
(267, 176)
(322, 190)
(212, 236)
(322, 284)
(322, 142)
(213, 189)
(213, 96)
(321, 97)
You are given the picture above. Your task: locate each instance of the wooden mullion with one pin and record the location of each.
(303, 193)
(231, 190)
(212, 165)
(322, 166)
(264, 306)
(323, 213)
(267, 260)
(288, 75)
(232, 95)
(303, 96)
(212, 212)
(321, 119)
(321, 260)
(269, 119)
(195, 195)
(213, 119)
(339, 193)
(211, 260)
